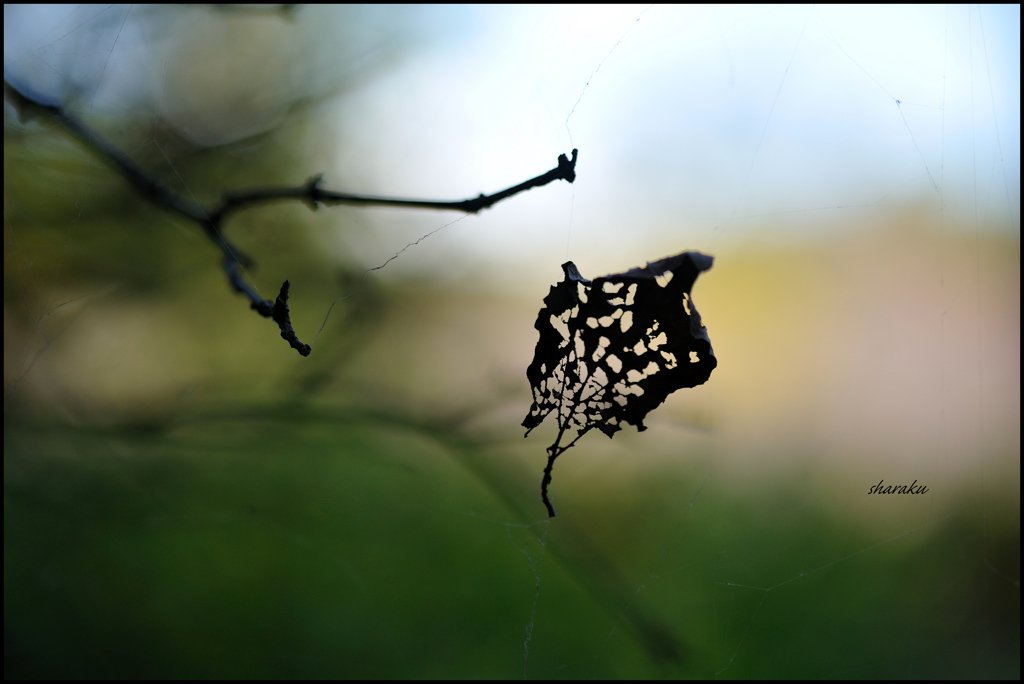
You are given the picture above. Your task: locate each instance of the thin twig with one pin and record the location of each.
(30, 104)
(313, 195)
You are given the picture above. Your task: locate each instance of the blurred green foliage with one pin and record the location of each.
(287, 543)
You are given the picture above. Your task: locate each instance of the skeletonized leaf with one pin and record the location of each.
(612, 349)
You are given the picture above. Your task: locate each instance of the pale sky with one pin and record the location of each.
(694, 124)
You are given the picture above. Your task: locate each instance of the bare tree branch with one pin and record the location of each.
(211, 219)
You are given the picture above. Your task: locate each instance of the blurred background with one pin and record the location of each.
(185, 496)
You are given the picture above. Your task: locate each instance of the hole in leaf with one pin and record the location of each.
(561, 326)
(658, 341)
(614, 363)
(626, 322)
(663, 279)
(581, 292)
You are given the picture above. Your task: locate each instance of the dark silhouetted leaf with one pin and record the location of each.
(612, 349)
